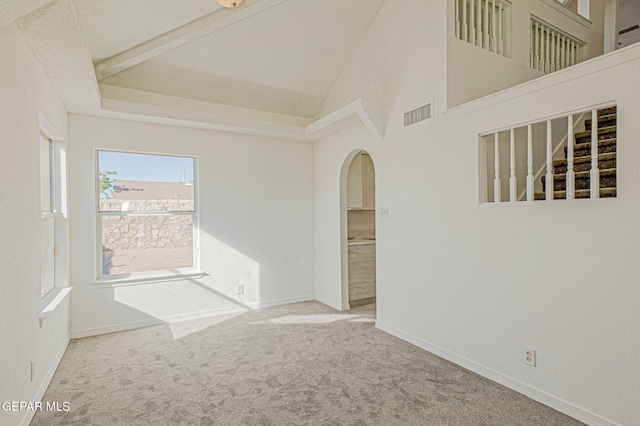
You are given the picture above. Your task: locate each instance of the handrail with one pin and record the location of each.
(555, 151)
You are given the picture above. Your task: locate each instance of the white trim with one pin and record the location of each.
(330, 303)
(51, 301)
(28, 416)
(589, 108)
(514, 384)
(601, 63)
(77, 334)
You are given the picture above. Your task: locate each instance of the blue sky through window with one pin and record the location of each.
(146, 167)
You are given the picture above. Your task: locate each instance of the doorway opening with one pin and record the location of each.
(358, 231)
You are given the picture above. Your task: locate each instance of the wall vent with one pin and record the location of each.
(417, 115)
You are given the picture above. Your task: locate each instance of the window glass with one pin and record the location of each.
(146, 209)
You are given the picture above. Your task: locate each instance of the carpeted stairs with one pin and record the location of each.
(582, 160)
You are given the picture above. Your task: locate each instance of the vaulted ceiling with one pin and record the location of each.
(269, 56)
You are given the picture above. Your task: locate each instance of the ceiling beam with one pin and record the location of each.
(180, 36)
(19, 8)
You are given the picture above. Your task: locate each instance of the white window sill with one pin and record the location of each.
(146, 278)
(51, 301)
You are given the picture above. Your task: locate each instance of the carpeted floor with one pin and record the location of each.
(289, 365)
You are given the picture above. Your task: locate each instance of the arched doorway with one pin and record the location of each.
(358, 230)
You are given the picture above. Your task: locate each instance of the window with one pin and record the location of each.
(147, 213)
(47, 215)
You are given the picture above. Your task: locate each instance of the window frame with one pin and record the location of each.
(50, 213)
(153, 275)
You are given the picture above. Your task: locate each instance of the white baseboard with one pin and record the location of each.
(28, 416)
(516, 385)
(330, 303)
(77, 334)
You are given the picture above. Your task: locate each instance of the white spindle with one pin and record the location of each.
(513, 187)
(456, 12)
(497, 196)
(537, 47)
(558, 52)
(594, 184)
(479, 23)
(494, 39)
(501, 31)
(472, 21)
(549, 184)
(571, 178)
(485, 36)
(547, 56)
(553, 51)
(465, 24)
(530, 194)
(573, 53)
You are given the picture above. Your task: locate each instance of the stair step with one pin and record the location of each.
(603, 134)
(603, 121)
(585, 193)
(607, 111)
(584, 150)
(581, 164)
(583, 180)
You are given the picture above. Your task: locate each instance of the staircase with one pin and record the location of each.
(582, 161)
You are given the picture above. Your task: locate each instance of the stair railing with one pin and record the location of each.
(571, 128)
(567, 140)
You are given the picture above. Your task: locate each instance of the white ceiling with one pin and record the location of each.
(284, 59)
(113, 26)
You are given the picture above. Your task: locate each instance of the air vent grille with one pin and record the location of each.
(417, 115)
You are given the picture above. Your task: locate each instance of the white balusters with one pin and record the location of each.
(472, 19)
(550, 50)
(571, 177)
(456, 12)
(479, 23)
(513, 187)
(465, 21)
(530, 194)
(485, 33)
(595, 171)
(554, 140)
(501, 31)
(549, 184)
(547, 64)
(536, 48)
(497, 191)
(494, 38)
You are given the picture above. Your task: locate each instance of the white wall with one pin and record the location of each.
(256, 220)
(474, 72)
(476, 283)
(24, 93)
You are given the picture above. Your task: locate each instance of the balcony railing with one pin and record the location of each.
(550, 49)
(482, 23)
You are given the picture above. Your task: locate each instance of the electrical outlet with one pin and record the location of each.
(530, 357)
(384, 213)
(240, 289)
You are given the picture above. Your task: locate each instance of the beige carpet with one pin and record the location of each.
(289, 365)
